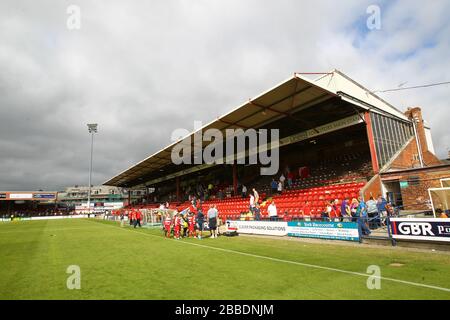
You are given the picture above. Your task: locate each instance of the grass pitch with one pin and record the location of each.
(124, 263)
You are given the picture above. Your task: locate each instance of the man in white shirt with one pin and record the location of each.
(282, 179)
(252, 203)
(212, 220)
(280, 187)
(272, 210)
(256, 194)
(244, 191)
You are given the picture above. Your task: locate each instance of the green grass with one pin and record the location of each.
(123, 263)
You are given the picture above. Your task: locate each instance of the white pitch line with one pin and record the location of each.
(296, 262)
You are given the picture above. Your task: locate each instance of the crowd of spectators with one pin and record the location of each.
(33, 212)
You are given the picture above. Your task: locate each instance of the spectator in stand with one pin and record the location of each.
(362, 208)
(362, 218)
(372, 212)
(272, 210)
(353, 210)
(306, 211)
(212, 220)
(280, 187)
(286, 217)
(441, 214)
(389, 212)
(244, 191)
(252, 203)
(381, 206)
(324, 214)
(337, 210)
(282, 179)
(330, 211)
(256, 194)
(273, 186)
(345, 210)
(290, 178)
(257, 212)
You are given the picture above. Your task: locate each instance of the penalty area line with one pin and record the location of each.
(308, 265)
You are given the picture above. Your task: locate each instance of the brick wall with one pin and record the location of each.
(408, 158)
(415, 195)
(372, 189)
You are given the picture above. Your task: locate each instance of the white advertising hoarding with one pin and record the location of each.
(272, 228)
(21, 196)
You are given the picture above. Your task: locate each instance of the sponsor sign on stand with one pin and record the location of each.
(431, 229)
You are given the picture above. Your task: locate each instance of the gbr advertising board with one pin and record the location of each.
(428, 229)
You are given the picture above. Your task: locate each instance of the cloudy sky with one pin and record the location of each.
(142, 68)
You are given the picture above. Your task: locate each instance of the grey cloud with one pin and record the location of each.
(143, 68)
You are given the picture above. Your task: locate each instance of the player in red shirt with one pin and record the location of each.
(191, 225)
(133, 217)
(130, 217)
(177, 225)
(138, 218)
(167, 225)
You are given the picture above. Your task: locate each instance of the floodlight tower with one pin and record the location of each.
(92, 127)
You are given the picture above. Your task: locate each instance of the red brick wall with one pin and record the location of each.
(373, 189)
(406, 159)
(415, 197)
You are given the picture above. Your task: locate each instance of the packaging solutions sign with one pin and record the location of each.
(324, 230)
(21, 196)
(272, 228)
(429, 229)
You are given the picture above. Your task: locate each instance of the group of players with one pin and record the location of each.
(183, 225)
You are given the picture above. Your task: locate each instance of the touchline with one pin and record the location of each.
(239, 146)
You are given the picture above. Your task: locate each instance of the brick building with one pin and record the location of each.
(406, 178)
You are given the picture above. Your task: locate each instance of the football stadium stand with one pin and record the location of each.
(336, 139)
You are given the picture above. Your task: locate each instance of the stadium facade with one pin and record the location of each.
(27, 202)
(333, 126)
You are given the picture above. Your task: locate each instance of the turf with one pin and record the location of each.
(124, 263)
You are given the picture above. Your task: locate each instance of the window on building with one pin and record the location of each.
(413, 181)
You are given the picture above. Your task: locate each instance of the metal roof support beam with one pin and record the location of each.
(276, 102)
(231, 123)
(267, 108)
